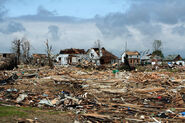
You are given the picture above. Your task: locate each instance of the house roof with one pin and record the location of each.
(173, 57)
(72, 51)
(39, 55)
(146, 57)
(95, 49)
(105, 53)
(132, 53)
(108, 54)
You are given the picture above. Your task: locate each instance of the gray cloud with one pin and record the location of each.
(45, 15)
(112, 25)
(41, 11)
(141, 15)
(3, 10)
(140, 25)
(149, 29)
(12, 27)
(179, 30)
(54, 32)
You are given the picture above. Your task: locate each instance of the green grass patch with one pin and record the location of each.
(29, 108)
(22, 112)
(11, 111)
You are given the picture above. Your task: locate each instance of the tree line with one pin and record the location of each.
(21, 48)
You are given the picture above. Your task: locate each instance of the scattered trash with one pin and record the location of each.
(98, 95)
(182, 114)
(162, 115)
(11, 90)
(46, 102)
(9, 80)
(21, 97)
(45, 95)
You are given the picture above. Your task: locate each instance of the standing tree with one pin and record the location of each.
(26, 50)
(48, 51)
(16, 47)
(157, 44)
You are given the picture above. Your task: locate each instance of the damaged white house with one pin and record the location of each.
(71, 56)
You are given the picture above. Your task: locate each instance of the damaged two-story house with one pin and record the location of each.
(133, 57)
(101, 56)
(70, 56)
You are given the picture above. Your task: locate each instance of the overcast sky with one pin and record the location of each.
(79, 23)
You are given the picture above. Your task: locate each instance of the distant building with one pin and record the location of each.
(71, 56)
(7, 55)
(101, 56)
(133, 57)
(8, 61)
(174, 60)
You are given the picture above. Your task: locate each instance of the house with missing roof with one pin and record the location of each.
(71, 56)
(101, 56)
(94, 55)
(133, 57)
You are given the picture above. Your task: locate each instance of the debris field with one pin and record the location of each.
(98, 95)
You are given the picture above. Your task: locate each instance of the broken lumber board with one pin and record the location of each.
(146, 90)
(114, 90)
(126, 105)
(139, 107)
(96, 115)
(138, 120)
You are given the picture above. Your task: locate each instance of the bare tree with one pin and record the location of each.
(16, 47)
(157, 45)
(26, 50)
(48, 51)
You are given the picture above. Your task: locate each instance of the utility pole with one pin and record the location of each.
(125, 46)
